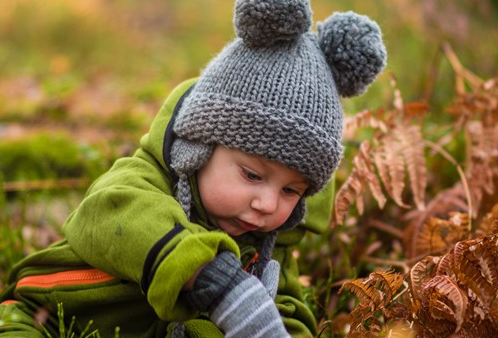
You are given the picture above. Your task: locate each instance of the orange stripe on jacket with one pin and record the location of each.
(73, 277)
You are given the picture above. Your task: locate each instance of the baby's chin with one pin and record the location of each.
(229, 228)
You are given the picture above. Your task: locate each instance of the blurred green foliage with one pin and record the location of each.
(48, 156)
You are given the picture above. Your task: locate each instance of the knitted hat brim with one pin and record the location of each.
(263, 131)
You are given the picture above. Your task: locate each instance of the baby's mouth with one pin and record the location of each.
(245, 225)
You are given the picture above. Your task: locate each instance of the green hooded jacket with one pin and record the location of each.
(130, 226)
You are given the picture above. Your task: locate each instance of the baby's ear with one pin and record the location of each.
(354, 51)
(264, 22)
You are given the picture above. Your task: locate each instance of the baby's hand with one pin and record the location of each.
(270, 277)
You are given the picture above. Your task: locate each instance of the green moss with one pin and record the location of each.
(44, 156)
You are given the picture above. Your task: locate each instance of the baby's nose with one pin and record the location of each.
(266, 201)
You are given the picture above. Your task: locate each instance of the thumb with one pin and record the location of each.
(270, 277)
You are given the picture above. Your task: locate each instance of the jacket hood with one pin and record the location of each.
(159, 138)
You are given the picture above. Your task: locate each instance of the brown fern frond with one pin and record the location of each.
(362, 175)
(457, 294)
(364, 119)
(388, 159)
(413, 153)
(388, 282)
(444, 301)
(446, 265)
(364, 289)
(377, 290)
(436, 235)
(483, 160)
(375, 293)
(420, 273)
(477, 269)
(481, 101)
(366, 169)
(440, 206)
(428, 240)
(489, 223)
(446, 201)
(476, 107)
(349, 193)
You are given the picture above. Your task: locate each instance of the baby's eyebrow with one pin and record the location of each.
(300, 183)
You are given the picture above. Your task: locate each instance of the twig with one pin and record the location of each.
(45, 184)
(386, 227)
(460, 70)
(450, 158)
(405, 284)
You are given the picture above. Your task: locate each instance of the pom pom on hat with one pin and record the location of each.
(264, 22)
(354, 50)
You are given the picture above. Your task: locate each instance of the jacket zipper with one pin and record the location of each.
(73, 277)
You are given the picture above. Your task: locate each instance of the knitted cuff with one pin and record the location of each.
(216, 278)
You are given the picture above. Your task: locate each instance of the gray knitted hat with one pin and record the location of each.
(275, 91)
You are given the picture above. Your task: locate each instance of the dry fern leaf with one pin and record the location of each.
(365, 290)
(362, 174)
(364, 119)
(389, 161)
(413, 153)
(446, 265)
(349, 193)
(443, 300)
(377, 290)
(429, 240)
(436, 236)
(440, 206)
(477, 269)
(419, 240)
(489, 223)
(420, 273)
(388, 282)
(457, 294)
(483, 161)
(366, 169)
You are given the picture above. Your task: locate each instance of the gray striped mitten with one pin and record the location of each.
(248, 311)
(237, 302)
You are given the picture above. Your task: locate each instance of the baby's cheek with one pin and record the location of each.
(279, 220)
(288, 209)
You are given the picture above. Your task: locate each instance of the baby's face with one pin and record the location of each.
(242, 192)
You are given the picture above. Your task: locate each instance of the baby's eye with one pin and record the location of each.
(251, 176)
(291, 191)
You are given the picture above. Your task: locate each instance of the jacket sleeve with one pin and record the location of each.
(129, 217)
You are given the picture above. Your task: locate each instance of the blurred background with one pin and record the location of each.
(90, 75)
(81, 81)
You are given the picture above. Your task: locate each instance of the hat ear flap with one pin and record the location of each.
(354, 51)
(264, 22)
(188, 156)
